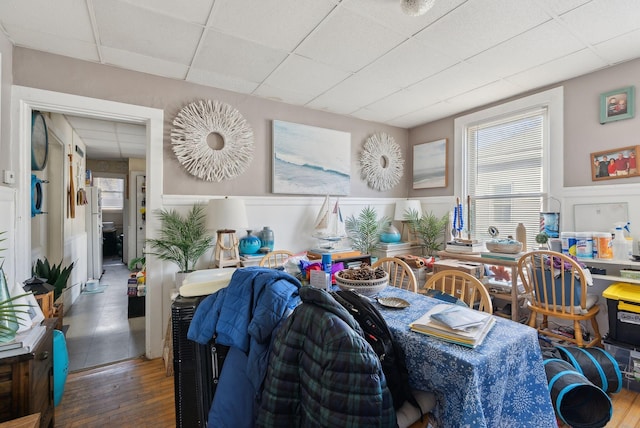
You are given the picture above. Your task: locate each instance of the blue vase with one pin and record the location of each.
(390, 235)
(267, 238)
(250, 244)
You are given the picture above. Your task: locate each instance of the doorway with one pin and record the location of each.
(23, 101)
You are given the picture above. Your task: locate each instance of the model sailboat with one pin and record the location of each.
(329, 225)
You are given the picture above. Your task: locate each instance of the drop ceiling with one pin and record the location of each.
(361, 58)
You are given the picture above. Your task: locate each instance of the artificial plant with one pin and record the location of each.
(429, 227)
(183, 239)
(364, 230)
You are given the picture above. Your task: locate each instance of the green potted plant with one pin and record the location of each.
(55, 275)
(364, 230)
(183, 239)
(9, 309)
(430, 228)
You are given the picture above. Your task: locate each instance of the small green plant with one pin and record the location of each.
(182, 239)
(364, 230)
(134, 262)
(429, 228)
(55, 275)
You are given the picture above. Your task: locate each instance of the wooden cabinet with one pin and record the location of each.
(26, 382)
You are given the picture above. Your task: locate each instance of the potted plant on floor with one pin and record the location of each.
(364, 230)
(183, 239)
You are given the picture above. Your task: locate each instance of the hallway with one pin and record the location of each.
(97, 329)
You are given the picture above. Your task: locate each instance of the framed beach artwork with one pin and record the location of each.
(430, 164)
(310, 160)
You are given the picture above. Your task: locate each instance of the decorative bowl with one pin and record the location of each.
(366, 287)
(508, 246)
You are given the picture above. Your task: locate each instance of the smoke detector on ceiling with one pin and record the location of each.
(416, 7)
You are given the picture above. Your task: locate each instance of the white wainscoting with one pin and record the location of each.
(75, 251)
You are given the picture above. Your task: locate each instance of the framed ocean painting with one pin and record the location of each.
(310, 160)
(430, 164)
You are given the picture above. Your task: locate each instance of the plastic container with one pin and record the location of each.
(521, 235)
(623, 305)
(568, 242)
(620, 251)
(603, 242)
(584, 245)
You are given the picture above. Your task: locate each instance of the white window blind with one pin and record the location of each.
(504, 173)
(112, 192)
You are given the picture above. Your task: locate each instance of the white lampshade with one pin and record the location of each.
(404, 206)
(226, 214)
(416, 7)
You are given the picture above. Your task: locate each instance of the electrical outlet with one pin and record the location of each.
(9, 177)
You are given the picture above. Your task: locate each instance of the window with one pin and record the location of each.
(112, 192)
(503, 164)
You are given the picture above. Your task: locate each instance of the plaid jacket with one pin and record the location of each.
(322, 372)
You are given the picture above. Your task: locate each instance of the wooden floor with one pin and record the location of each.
(137, 393)
(134, 393)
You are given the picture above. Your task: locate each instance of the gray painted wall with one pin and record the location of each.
(57, 73)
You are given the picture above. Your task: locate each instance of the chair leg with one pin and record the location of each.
(545, 322)
(578, 333)
(533, 318)
(596, 332)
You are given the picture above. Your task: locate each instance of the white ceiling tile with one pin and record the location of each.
(305, 76)
(355, 92)
(478, 25)
(230, 56)
(408, 63)
(424, 115)
(90, 134)
(68, 19)
(559, 7)
(389, 14)
(373, 116)
(131, 129)
(80, 123)
(280, 24)
(145, 64)
(57, 45)
(455, 80)
(619, 49)
(348, 41)
(217, 80)
(282, 95)
(542, 44)
(130, 139)
(558, 70)
(126, 27)
(101, 144)
(487, 94)
(607, 18)
(196, 11)
(399, 103)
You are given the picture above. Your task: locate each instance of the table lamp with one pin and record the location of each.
(225, 216)
(402, 208)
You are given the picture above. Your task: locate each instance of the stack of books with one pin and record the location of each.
(455, 324)
(501, 256)
(23, 343)
(464, 247)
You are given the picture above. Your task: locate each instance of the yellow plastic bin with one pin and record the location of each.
(623, 304)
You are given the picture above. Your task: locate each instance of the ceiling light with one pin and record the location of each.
(416, 7)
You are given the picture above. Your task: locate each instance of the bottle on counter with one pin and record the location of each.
(521, 235)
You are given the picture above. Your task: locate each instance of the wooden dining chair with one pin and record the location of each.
(400, 274)
(275, 259)
(556, 287)
(463, 286)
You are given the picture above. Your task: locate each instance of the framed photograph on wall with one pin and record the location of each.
(310, 160)
(430, 164)
(617, 105)
(614, 163)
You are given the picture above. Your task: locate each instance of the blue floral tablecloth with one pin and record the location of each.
(501, 383)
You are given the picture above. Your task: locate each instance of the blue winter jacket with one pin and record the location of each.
(245, 313)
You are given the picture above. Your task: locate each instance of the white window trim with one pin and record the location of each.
(553, 99)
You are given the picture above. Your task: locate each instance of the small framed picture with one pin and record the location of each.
(614, 163)
(617, 105)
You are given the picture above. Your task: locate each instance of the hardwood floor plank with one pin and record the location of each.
(137, 393)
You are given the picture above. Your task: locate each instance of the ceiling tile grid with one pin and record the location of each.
(362, 58)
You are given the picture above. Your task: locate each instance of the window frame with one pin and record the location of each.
(124, 190)
(552, 158)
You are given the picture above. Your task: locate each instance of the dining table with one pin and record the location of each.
(500, 383)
